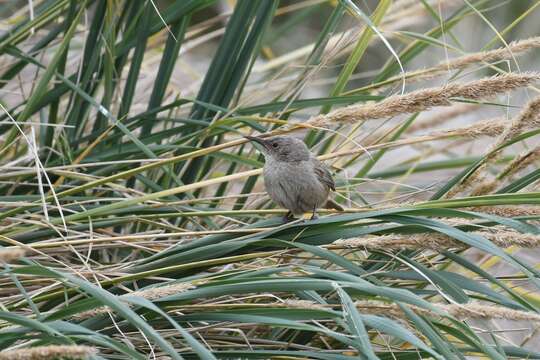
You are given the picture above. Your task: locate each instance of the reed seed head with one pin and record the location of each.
(11, 255)
(425, 99)
(50, 352)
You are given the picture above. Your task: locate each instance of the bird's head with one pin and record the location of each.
(282, 148)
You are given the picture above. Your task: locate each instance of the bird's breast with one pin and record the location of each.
(294, 185)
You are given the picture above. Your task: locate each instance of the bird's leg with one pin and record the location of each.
(288, 217)
(314, 215)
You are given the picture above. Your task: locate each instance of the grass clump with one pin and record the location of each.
(134, 223)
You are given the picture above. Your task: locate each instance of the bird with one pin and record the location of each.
(293, 177)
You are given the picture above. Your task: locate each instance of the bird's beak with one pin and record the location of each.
(258, 140)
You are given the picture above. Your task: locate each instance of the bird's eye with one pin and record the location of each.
(275, 145)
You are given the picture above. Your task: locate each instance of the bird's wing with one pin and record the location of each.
(324, 175)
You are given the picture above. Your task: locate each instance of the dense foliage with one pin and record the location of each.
(133, 219)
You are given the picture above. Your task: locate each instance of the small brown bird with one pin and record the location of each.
(294, 178)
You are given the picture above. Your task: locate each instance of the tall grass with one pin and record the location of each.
(134, 223)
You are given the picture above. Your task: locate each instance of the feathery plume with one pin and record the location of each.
(49, 352)
(521, 162)
(303, 304)
(515, 48)
(150, 294)
(490, 127)
(426, 98)
(438, 241)
(443, 116)
(477, 310)
(162, 291)
(472, 310)
(11, 255)
(485, 187)
(528, 117)
(508, 210)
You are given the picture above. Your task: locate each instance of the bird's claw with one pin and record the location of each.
(288, 217)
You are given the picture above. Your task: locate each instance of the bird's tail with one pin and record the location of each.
(331, 204)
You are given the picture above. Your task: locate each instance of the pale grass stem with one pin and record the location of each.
(489, 127)
(142, 237)
(410, 8)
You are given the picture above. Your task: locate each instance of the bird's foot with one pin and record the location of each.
(288, 217)
(314, 214)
